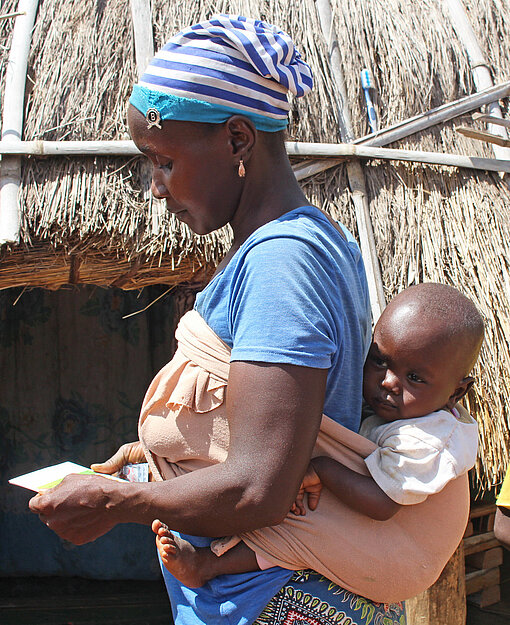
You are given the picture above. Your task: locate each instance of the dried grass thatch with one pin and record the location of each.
(430, 223)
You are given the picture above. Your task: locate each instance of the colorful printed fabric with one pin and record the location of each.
(226, 65)
(311, 599)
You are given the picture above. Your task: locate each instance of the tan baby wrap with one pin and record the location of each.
(183, 426)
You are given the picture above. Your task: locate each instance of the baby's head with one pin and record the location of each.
(424, 346)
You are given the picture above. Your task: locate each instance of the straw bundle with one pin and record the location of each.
(430, 223)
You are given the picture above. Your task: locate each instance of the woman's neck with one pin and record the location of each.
(270, 191)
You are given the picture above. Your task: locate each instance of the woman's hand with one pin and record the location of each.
(129, 453)
(312, 486)
(81, 508)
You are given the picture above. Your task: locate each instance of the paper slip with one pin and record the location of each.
(49, 477)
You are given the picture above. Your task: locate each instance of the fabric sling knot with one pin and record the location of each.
(221, 67)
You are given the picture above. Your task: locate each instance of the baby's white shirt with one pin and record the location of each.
(417, 457)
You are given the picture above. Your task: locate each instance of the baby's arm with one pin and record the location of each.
(359, 492)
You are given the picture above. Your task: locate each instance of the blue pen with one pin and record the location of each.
(367, 84)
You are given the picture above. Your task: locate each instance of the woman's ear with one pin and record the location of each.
(242, 136)
(463, 387)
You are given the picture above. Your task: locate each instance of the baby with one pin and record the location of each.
(424, 346)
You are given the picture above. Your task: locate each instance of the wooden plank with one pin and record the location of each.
(486, 597)
(482, 510)
(444, 601)
(480, 542)
(481, 135)
(478, 580)
(486, 559)
(490, 119)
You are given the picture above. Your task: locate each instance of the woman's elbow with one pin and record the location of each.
(264, 507)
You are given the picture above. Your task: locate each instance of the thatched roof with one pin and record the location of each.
(430, 223)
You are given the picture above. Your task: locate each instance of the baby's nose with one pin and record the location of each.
(391, 382)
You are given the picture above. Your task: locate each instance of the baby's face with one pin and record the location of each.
(408, 372)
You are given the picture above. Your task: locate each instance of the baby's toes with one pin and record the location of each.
(169, 548)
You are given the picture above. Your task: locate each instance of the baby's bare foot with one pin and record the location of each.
(187, 563)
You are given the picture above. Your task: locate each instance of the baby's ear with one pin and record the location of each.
(462, 388)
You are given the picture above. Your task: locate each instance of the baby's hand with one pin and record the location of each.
(312, 486)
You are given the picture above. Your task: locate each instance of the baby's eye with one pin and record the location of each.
(414, 378)
(378, 361)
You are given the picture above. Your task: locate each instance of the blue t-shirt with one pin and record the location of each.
(295, 292)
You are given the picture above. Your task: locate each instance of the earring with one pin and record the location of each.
(241, 170)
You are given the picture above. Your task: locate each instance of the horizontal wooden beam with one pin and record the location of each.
(316, 150)
(480, 542)
(478, 580)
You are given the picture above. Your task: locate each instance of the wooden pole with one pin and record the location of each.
(420, 122)
(339, 151)
(479, 67)
(438, 115)
(445, 601)
(354, 170)
(142, 28)
(493, 120)
(12, 116)
(141, 14)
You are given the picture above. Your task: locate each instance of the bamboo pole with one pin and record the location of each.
(69, 148)
(420, 122)
(12, 116)
(479, 67)
(142, 28)
(141, 14)
(438, 115)
(354, 170)
(338, 151)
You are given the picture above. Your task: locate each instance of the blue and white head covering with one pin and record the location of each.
(225, 66)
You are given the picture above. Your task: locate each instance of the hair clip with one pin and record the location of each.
(153, 118)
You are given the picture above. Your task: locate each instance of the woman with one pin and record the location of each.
(289, 299)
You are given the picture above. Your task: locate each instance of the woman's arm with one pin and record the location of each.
(274, 414)
(359, 492)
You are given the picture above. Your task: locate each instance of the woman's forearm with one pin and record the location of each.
(359, 492)
(274, 416)
(210, 502)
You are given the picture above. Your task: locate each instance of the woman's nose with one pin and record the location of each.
(158, 186)
(390, 382)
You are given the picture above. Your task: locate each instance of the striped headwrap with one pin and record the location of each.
(225, 66)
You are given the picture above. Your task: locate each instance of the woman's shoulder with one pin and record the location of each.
(308, 227)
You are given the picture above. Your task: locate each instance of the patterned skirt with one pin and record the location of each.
(311, 599)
